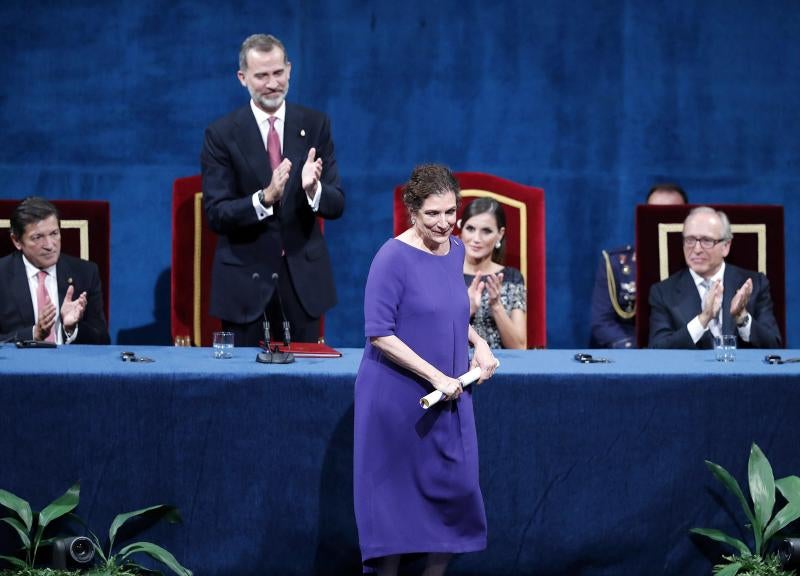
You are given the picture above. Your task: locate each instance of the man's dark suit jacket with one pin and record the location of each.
(235, 165)
(16, 307)
(675, 301)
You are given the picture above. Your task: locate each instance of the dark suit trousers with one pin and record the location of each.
(303, 328)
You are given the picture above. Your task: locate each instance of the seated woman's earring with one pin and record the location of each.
(413, 221)
(498, 245)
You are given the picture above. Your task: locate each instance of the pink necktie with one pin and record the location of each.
(273, 144)
(43, 300)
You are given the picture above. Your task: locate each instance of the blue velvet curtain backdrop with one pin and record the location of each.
(593, 101)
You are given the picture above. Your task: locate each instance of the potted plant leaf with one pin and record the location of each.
(123, 557)
(760, 560)
(30, 527)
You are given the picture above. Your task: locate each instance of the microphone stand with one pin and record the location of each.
(271, 354)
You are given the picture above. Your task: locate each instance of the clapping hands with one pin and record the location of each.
(491, 284)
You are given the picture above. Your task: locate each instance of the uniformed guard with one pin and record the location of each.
(614, 299)
(613, 314)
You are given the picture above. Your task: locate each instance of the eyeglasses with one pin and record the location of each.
(706, 243)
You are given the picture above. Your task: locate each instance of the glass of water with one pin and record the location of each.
(223, 344)
(725, 348)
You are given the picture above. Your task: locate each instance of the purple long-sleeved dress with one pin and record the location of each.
(415, 471)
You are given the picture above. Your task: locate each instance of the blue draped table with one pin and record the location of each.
(586, 469)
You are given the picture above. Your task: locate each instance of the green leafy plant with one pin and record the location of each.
(123, 557)
(765, 526)
(750, 565)
(39, 572)
(30, 525)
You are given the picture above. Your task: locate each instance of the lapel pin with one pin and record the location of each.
(302, 133)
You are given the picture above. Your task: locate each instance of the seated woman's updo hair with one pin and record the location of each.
(484, 205)
(427, 180)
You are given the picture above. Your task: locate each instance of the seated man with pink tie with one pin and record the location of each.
(45, 295)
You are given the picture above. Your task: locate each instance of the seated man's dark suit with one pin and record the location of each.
(675, 301)
(235, 165)
(16, 306)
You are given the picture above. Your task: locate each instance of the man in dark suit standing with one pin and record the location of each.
(710, 297)
(37, 276)
(269, 171)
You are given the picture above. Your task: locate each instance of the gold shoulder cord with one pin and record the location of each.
(612, 292)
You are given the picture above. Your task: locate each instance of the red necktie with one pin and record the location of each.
(273, 144)
(43, 300)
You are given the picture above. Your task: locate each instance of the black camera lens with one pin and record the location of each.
(789, 553)
(74, 551)
(81, 550)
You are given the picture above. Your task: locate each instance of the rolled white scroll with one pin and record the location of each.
(466, 379)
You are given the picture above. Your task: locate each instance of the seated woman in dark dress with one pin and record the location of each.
(497, 297)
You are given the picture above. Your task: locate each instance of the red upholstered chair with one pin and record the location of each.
(758, 244)
(85, 233)
(193, 245)
(525, 238)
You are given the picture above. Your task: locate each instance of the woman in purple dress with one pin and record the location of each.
(415, 471)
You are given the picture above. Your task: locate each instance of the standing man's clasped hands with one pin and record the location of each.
(280, 176)
(312, 171)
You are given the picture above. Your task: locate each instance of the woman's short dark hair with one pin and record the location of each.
(427, 180)
(486, 205)
(32, 209)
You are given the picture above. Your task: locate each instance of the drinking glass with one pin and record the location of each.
(725, 348)
(223, 344)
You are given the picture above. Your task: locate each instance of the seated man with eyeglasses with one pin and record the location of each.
(709, 297)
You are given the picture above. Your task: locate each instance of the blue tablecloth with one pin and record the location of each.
(590, 469)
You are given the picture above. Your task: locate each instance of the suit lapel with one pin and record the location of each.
(65, 279)
(732, 281)
(688, 297)
(690, 305)
(294, 136)
(295, 144)
(248, 138)
(22, 291)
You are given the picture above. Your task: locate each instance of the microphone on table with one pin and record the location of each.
(287, 337)
(271, 354)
